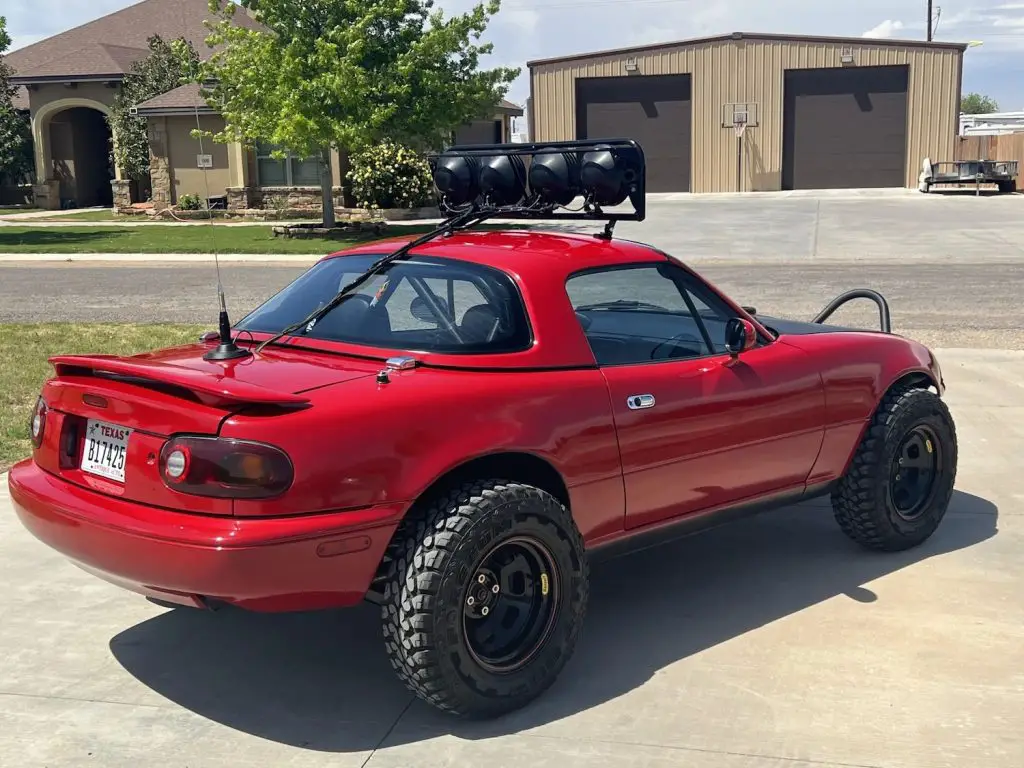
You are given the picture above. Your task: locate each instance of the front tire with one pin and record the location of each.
(899, 484)
(486, 599)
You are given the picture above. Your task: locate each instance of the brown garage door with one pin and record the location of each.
(652, 109)
(479, 132)
(845, 128)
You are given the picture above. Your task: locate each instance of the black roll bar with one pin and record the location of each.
(859, 293)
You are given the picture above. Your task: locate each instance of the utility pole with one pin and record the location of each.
(930, 17)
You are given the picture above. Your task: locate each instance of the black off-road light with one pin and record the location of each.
(503, 179)
(555, 176)
(607, 176)
(456, 178)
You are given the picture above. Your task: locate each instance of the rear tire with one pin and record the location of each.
(898, 486)
(485, 550)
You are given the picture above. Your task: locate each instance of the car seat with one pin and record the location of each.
(354, 317)
(479, 324)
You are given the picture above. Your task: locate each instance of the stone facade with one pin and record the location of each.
(162, 194)
(293, 198)
(240, 198)
(47, 195)
(122, 193)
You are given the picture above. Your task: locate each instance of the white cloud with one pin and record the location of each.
(887, 28)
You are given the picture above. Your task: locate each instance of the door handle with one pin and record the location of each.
(637, 402)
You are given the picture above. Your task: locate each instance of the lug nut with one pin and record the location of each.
(481, 578)
(495, 589)
(470, 600)
(484, 611)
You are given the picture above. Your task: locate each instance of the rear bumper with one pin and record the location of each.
(264, 564)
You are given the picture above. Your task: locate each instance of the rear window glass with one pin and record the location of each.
(425, 304)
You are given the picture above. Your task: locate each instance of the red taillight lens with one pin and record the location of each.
(225, 468)
(38, 424)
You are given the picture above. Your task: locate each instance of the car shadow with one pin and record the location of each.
(38, 237)
(320, 681)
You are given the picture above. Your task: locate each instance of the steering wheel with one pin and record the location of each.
(674, 340)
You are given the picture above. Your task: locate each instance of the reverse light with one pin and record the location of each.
(37, 426)
(225, 468)
(177, 464)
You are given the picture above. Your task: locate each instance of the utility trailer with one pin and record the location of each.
(1002, 173)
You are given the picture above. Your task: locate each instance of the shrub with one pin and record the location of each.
(389, 175)
(190, 202)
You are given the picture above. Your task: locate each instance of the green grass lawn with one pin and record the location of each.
(25, 349)
(158, 238)
(8, 211)
(104, 215)
(172, 238)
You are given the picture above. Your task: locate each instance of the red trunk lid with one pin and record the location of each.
(109, 416)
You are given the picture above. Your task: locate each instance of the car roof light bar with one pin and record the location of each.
(541, 180)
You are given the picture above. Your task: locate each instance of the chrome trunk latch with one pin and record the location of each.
(396, 364)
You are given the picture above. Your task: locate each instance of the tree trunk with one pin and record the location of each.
(327, 188)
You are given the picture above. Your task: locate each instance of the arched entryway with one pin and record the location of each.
(73, 148)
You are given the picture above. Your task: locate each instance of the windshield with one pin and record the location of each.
(425, 304)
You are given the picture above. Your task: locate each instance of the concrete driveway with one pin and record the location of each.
(772, 643)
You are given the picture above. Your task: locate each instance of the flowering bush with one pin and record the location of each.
(389, 175)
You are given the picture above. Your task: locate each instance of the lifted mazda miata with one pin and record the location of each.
(456, 426)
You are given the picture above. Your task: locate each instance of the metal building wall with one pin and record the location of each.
(751, 70)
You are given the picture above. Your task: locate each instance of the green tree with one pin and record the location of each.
(977, 104)
(15, 131)
(169, 65)
(348, 73)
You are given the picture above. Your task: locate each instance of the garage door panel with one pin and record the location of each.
(845, 128)
(654, 110)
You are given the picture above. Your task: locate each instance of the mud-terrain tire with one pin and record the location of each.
(874, 501)
(432, 634)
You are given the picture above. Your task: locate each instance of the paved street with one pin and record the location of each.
(956, 304)
(771, 643)
(950, 265)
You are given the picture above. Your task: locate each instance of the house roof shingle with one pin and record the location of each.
(186, 98)
(20, 99)
(509, 108)
(107, 46)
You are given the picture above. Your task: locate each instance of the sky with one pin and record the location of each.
(531, 29)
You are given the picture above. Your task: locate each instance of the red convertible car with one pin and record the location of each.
(455, 426)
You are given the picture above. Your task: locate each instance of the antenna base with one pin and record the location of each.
(226, 350)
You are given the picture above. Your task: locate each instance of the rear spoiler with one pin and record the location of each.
(209, 387)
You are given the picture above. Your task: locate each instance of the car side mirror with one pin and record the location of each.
(740, 336)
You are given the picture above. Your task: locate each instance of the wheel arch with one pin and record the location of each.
(517, 466)
(917, 377)
(512, 465)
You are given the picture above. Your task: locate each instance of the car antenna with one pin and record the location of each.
(226, 349)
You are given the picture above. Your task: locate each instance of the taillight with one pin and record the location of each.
(225, 468)
(38, 424)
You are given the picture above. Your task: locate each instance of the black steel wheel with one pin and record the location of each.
(486, 597)
(899, 484)
(913, 473)
(510, 604)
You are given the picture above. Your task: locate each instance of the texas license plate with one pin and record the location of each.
(105, 450)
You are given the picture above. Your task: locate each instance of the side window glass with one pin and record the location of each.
(713, 315)
(635, 315)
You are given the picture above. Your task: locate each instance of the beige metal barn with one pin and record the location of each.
(821, 112)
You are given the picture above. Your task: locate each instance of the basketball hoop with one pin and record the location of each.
(739, 123)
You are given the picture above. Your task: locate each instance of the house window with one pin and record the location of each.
(292, 171)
